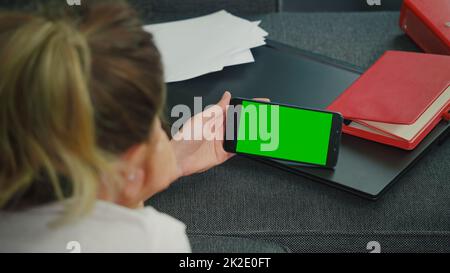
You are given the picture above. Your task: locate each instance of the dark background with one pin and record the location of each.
(284, 5)
(338, 5)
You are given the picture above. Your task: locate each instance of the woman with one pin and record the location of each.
(81, 143)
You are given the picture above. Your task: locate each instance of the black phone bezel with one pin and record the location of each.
(334, 140)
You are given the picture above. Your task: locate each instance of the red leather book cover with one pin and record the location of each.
(399, 100)
(427, 22)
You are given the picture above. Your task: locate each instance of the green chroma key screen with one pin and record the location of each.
(303, 135)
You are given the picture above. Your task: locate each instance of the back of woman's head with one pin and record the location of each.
(75, 91)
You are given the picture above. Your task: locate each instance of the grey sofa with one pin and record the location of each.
(247, 199)
(245, 206)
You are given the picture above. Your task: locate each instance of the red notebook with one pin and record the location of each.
(427, 22)
(399, 100)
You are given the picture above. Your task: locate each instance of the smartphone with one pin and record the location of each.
(283, 132)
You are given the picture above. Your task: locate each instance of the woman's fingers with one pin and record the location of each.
(225, 100)
(226, 97)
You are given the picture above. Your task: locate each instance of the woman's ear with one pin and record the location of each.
(132, 187)
(134, 176)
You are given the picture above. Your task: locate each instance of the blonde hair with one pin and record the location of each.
(46, 115)
(75, 92)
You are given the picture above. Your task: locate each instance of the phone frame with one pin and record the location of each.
(334, 138)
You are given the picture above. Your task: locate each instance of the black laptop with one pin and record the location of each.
(288, 75)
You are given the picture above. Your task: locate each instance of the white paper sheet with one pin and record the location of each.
(194, 47)
(243, 57)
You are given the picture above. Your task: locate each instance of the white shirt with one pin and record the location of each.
(108, 228)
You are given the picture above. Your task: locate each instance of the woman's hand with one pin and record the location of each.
(196, 153)
(200, 154)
